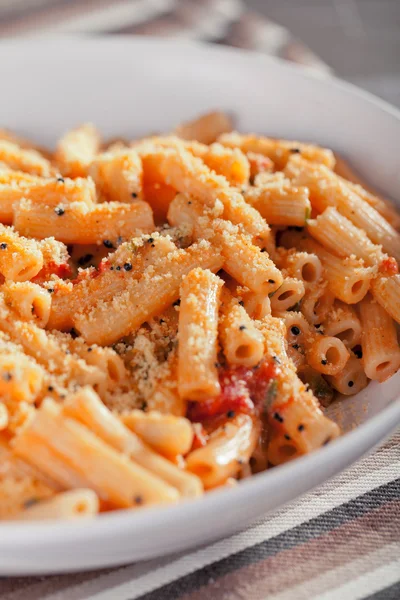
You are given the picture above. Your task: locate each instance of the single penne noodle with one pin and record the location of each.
(30, 301)
(343, 323)
(327, 355)
(257, 304)
(229, 162)
(366, 192)
(78, 223)
(348, 279)
(206, 128)
(386, 291)
(105, 359)
(118, 175)
(76, 149)
(197, 334)
(21, 379)
(244, 261)
(261, 168)
(65, 505)
(109, 321)
(167, 434)
(303, 266)
(128, 262)
(351, 380)
(317, 303)
(287, 295)
(74, 457)
(380, 349)
(228, 448)
(21, 159)
(20, 258)
(280, 203)
(242, 343)
(338, 235)
(279, 151)
(87, 408)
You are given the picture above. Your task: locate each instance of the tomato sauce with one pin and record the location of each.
(243, 390)
(389, 266)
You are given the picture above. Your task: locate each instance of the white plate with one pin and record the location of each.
(136, 86)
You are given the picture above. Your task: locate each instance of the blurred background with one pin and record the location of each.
(359, 40)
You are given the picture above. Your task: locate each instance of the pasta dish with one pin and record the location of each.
(177, 311)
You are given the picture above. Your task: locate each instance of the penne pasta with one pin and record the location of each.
(76, 150)
(280, 203)
(343, 323)
(380, 349)
(386, 291)
(197, 334)
(20, 258)
(21, 159)
(241, 341)
(78, 223)
(66, 505)
(351, 380)
(205, 129)
(118, 175)
(29, 300)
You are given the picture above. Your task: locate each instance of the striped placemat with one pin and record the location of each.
(341, 541)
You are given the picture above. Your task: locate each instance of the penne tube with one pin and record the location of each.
(348, 279)
(229, 162)
(127, 263)
(228, 448)
(380, 349)
(166, 434)
(261, 168)
(242, 343)
(280, 203)
(279, 151)
(317, 303)
(20, 258)
(351, 380)
(30, 301)
(110, 320)
(342, 322)
(78, 223)
(21, 159)
(338, 235)
(76, 149)
(21, 379)
(65, 505)
(206, 128)
(86, 407)
(197, 335)
(386, 291)
(257, 304)
(344, 170)
(74, 457)
(189, 175)
(287, 295)
(244, 261)
(118, 175)
(327, 354)
(303, 266)
(48, 192)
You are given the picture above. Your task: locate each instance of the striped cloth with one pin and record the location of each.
(339, 541)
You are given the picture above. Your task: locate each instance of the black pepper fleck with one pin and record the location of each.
(242, 327)
(295, 330)
(134, 195)
(118, 268)
(7, 376)
(138, 500)
(59, 211)
(350, 383)
(271, 280)
(300, 427)
(150, 240)
(295, 150)
(128, 267)
(324, 361)
(3, 246)
(108, 244)
(230, 414)
(287, 437)
(60, 179)
(50, 388)
(278, 417)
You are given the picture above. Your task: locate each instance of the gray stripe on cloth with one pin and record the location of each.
(389, 593)
(288, 539)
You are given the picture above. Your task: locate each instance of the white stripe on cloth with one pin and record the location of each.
(106, 18)
(368, 583)
(341, 582)
(133, 581)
